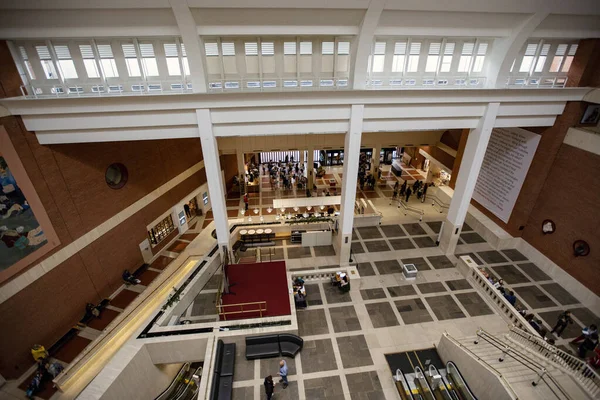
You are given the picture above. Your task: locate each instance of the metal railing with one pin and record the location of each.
(582, 372)
(131, 88)
(311, 83)
(221, 308)
(438, 204)
(537, 82)
(526, 361)
(482, 361)
(431, 81)
(410, 209)
(507, 309)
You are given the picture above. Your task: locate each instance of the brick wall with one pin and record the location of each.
(570, 197)
(70, 182)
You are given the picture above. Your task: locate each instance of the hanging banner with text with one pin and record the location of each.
(505, 165)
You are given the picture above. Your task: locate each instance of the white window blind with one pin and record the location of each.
(146, 50)
(482, 49)
(379, 48)
(183, 53)
(23, 53)
(449, 49)
(305, 48)
(561, 49)
(289, 48)
(415, 48)
(211, 49)
(86, 51)
(327, 48)
(468, 48)
(541, 61)
(400, 48)
(129, 51)
(531, 49)
(62, 52)
(43, 52)
(267, 48)
(228, 48)
(573, 49)
(435, 48)
(343, 48)
(251, 48)
(105, 51)
(170, 49)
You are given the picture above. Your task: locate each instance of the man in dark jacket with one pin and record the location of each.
(269, 386)
(564, 319)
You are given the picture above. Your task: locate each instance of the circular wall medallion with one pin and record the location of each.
(548, 226)
(116, 176)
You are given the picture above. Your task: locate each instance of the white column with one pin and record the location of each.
(212, 165)
(191, 40)
(241, 164)
(310, 173)
(375, 161)
(465, 183)
(351, 160)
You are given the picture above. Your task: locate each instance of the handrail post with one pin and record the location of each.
(504, 353)
(540, 376)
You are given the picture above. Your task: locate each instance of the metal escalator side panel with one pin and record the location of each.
(173, 385)
(440, 388)
(461, 386)
(423, 385)
(403, 386)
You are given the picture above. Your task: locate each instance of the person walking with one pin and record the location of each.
(564, 319)
(394, 195)
(424, 192)
(246, 200)
(269, 386)
(408, 193)
(283, 373)
(403, 188)
(586, 332)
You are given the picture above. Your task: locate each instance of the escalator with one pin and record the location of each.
(427, 377)
(185, 385)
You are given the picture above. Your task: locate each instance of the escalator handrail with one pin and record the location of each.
(404, 381)
(418, 371)
(462, 378)
(444, 382)
(188, 385)
(173, 382)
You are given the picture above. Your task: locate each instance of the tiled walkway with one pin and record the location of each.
(347, 335)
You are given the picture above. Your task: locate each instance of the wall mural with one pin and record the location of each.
(20, 231)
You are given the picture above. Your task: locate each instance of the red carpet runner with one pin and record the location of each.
(258, 282)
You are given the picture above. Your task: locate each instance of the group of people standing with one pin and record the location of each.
(270, 384)
(419, 188)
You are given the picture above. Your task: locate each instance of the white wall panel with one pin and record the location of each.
(419, 124)
(281, 129)
(117, 135)
(511, 122)
(108, 120)
(424, 111)
(550, 108)
(241, 115)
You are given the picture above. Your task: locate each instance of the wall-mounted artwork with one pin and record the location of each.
(26, 232)
(20, 232)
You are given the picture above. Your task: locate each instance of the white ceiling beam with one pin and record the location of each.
(506, 49)
(191, 40)
(361, 46)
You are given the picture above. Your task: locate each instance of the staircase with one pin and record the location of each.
(528, 376)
